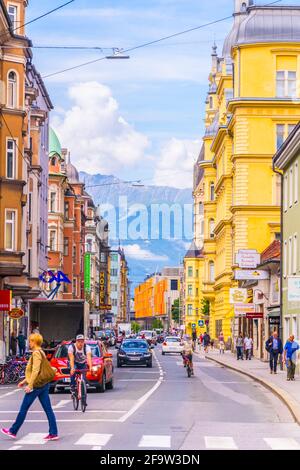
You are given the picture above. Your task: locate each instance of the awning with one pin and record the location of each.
(273, 312)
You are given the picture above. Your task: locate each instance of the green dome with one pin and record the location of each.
(54, 144)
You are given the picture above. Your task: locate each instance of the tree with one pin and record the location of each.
(176, 311)
(205, 307)
(135, 327)
(157, 324)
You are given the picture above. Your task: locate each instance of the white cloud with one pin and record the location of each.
(99, 138)
(136, 252)
(175, 166)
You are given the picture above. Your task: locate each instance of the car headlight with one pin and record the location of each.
(147, 354)
(122, 355)
(96, 368)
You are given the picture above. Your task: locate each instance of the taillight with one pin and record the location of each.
(165, 344)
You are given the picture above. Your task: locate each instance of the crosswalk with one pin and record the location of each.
(94, 441)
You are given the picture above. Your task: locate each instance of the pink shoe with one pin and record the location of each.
(7, 432)
(51, 437)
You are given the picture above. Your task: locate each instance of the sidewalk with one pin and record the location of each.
(288, 392)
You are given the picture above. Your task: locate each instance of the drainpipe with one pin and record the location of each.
(281, 258)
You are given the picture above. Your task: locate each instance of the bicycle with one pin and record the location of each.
(188, 365)
(80, 394)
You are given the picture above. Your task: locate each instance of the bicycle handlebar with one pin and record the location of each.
(78, 371)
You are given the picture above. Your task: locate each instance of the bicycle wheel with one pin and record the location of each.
(83, 400)
(75, 401)
(189, 370)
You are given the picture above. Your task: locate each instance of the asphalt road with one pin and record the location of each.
(161, 408)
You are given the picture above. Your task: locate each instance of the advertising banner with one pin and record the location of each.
(293, 289)
(238, 296)
(87, 272)
(5, 300)
(243, 309)
(248, 259)
(251, 275)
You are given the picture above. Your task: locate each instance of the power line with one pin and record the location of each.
(39, 17)
(150, 43)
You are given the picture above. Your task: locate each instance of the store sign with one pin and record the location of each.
(16, 313)
(274, 321)
(247, 259)
(251, 275)
(255, 315)
(238, 296)
(87, 272)
(294, 289)
(5, 300)
(243, 309)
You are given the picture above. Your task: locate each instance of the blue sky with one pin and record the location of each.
(141, 118)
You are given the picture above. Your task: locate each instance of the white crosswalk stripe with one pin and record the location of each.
(155, 441)
(94, 440)
(33, 438)
(282, 443)
(220, 442)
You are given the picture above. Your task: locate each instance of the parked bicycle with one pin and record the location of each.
(80, 395)
(12, 371)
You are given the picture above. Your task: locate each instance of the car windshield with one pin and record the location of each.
(62, 351)
(172, 340)
(135, 345)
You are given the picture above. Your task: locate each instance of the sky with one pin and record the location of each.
(138, 119)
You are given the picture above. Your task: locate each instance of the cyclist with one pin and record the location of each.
(187, 352)
(80, 357)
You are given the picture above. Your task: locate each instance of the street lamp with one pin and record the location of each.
(117, 54)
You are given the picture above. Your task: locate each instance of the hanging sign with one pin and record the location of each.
(5, 300)
(248, 259)
(294, 289)
(16, 313)
(238, 296)
(243, 309)
(251, 275)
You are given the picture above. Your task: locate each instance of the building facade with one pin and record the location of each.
(287, 161)
(252, 105)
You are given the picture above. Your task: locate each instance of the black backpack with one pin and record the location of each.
(74, 349)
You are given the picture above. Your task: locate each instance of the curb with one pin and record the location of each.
(285, 397)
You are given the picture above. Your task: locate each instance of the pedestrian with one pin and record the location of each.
(240, 346)
(206, 341)
(221, 343)
(212, 342)
(38, 375)
(194, 338)
(21, 343)
(290, 356)
(248, 345)
(13, 344)
(274, 348)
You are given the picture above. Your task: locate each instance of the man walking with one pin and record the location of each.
(21, 343)
(206, 341)
(248, 344)
(13, 344)
(274, 348)
(290, 356)
(239, 347)
(194, 338)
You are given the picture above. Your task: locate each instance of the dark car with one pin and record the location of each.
(134, 352)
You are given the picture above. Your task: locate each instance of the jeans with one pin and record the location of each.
(43, 395)
(248, 354)
(239, 352)
(22, 350)
(79, 366)
(274, 360)
(291, 369)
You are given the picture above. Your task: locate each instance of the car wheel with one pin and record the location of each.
(119, 364)
(110, 385)
(51, 389)
(102, 387)
(163, 353)
(149, 364)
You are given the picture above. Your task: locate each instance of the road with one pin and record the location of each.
(161, 408)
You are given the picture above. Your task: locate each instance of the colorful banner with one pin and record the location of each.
(87, 272)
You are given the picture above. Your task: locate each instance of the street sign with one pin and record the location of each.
(193, 325)
(251, 275)
(201, 323)
(5, 300)
(16, 313)
(243, 309)
(294, 289)
(238, 296)
(248, 259)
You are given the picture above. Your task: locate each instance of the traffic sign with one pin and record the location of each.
(201, 323)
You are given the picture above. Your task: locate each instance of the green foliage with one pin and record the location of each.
(176, 311)
(205, 307)
(135, 327)
(157, 324)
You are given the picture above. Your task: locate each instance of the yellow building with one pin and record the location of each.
(252, 105)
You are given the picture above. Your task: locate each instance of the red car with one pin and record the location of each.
(101, 377)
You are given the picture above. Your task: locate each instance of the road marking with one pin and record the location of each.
(140, 402)
(104, 420)
(135, 371)
(220, 442)
(282, 443)
(156, 441)
(10, 393)
(98, 440)
(15, 448)
(136, 380)
(33, 438)
(65, 411)
(61, 404)
(97, 448)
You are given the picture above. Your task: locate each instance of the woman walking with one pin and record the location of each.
(38, 375)
(221, 343)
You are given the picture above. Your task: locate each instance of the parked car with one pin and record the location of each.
(102, 375)
(172, 344)
(134, 352)
(150, 336)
